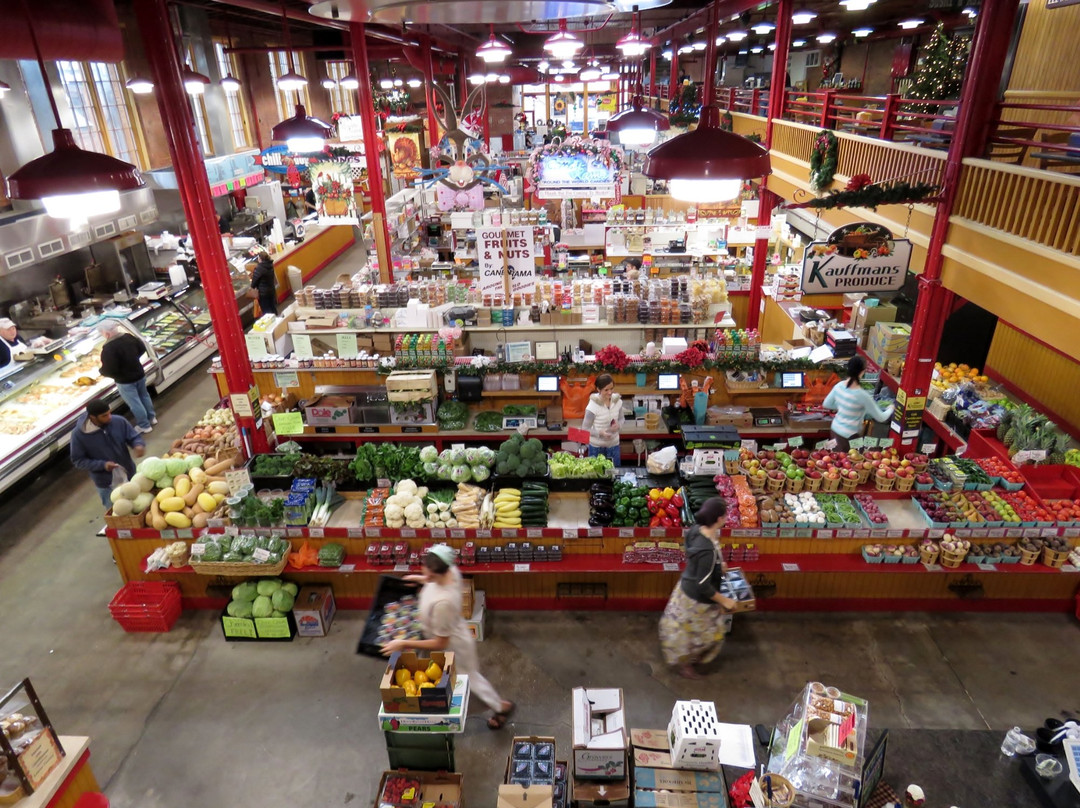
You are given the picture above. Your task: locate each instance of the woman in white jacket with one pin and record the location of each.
(603, 415)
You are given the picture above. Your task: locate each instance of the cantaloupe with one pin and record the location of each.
(175, 519)
(131, 490)
(122, 507)
(171, 504)
(144, 482)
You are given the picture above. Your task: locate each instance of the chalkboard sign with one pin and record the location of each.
(873, 769)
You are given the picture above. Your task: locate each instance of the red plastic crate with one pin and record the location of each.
(146, 606)
(1053, 482)
(984, 443)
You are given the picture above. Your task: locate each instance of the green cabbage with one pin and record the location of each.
(429, 454)
(262, 607)
(194, 461)
(282, 600)
(175, 465)
(291, 588)
(246, 591)
(243, 608)
(268, 586)
(152, 467)
(276, 613)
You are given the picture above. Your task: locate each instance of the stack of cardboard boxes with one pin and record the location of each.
(601, 776)
(534, 778)
(680, 768)
(887, 345)
(864, 317)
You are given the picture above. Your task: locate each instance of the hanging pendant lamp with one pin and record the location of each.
(302, 133)
(71, 182)
(137, 85)
(639, 125)
(707, 164)
(229, 83)
(562, 44)
(494, 51)
(194, 83)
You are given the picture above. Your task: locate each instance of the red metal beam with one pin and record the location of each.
(975, 116)
(174, 107)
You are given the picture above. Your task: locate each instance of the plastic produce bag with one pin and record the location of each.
(662, 461)
(119, 475)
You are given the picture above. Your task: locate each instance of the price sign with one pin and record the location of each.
(232, 530)
(822, 444)
(123, 534)
(1071, 532)
(373, 532)
(1049, 532)
(779, 447)
(843, 534)
(457, 533)
(241, 405)
(1068, 568)
(316, 532)
(237, 479)
(657, 532)
(508, 532)
(671, 567)
(198, 548)
(294, 532)
(569, 533)
(438, 533)
(256, 346)
(347, 568)
(795, 442)
(933, 567)
(302, 346)
(626, 533)
(823, 534)
(401, 568)
(857, 443)
(928, 448)
(595, 532)
(1013, 533)
(789, 567)
(261, 555)
(963, 533)
(483, 533)
(534, 533)
(346, 345)
(287, 379)
(522, 567)
(288, 423)
(355, 533)
(382, 482)
(987, 567)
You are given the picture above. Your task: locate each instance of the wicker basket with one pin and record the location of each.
(830, 484)
(239, 569)
(1028, 557)
(905, 483)
(756, 483)
(774, 485)
(1055, 558)
(779, 783)
(953, 558)
(864, 476)
(813, 483)
(795, 485)
(938, 408)
(884, 483)
(927, 556)
(849, 485)
(132, 521)
(731, 468)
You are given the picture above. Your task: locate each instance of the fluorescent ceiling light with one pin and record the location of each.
(757, 49)
(826, 38)
(736, 35)
(856, 5)
(803, 16)
(907, 25)
(762, 27)
(798, 43)
(861, 32)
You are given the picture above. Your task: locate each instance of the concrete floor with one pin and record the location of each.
(185, 719)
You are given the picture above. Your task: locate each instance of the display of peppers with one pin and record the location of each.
(666, 507)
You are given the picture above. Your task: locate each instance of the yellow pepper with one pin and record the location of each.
(669, 492)
(401, 676)
(410, 687)
(420, 677)
(434, 672)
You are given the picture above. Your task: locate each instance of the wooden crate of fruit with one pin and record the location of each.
(412, 385)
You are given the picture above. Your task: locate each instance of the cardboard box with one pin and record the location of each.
(483, 317)
(798, 344)
(863, 316)
(890, 337)
(435, 699)
(517, 797)
(599, 734)
(532, 777)
(679, 799)
(597, 794)
(452, 722)
(439, 788)
(649, 779)
(384, 343)
(314, 610)
(258, 629)
(330, 411)
(479, 616)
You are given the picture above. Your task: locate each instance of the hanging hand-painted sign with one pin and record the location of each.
(577, 168)
(859, 257)
(334, 198)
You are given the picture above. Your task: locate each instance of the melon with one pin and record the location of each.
(122, 507)
(171, 504)
(207, 501)
(177, 519)
(166, 493)
(142, 502)
(131, 490)
(144, 482)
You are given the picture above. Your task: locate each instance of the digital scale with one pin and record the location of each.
(767, 416)
(153, 290)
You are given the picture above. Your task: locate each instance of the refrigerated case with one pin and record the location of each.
(179, 330)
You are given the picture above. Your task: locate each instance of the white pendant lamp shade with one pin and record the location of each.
(494, 51)
(632, 45)
(803, 16)
(194, 83)
(349, 82)
(137, 85)
(414, 83)
(291, 82)
(562, 44)
(230, 83)
(328, 83)
(736, 35)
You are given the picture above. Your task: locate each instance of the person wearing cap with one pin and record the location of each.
(263, 281)
(445, 628)
(10, 343)
(121, 361)
(101, 443)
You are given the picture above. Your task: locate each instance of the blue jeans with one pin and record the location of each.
(105, 493)
(137, 397)
(612, 453)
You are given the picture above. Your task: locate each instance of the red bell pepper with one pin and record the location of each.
(666, 521)
(655, 521)
(677, 500)
(671, 510)
(653, 505)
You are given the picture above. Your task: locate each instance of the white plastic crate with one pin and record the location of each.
(709, 461)
(694, 736)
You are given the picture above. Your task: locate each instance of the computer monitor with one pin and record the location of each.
(792, 380)
(547, 384)
(667, 381)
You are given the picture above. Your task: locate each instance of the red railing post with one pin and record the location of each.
(174, 106)
(754, 95)
(826, 109)
(888, 117)
(731, 99)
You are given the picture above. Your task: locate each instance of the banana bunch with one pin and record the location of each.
(507, 508)
(467, 504)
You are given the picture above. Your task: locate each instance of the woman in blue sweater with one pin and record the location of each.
(853, 405)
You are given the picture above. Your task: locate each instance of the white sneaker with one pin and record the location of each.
(153, 422)
(144, 430)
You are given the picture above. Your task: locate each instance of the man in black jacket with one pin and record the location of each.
(121, 361)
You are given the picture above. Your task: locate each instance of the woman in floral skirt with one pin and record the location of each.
(692, 628)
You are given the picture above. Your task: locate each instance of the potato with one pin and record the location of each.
(199, 520)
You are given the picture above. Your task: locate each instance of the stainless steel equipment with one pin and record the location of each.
(372, 405)
(60, 293)
(124, 261)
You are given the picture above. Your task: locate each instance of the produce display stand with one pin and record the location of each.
(425, 741)
(69, 781)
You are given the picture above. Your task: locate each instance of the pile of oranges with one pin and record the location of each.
(953, 374)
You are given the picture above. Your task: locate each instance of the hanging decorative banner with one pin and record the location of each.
(578, 168)
(858, 257)
(334, 200)
(405, 150)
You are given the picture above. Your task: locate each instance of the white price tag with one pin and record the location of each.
(382, 482)
(508, 532)
(408, 533)
(657, 532)
(438, 533)
(294, 532)
(795, 442)
(401, 568)
(928, 448)
(671, 567)
(521, 567)
(1049, 532)
(198, 548)
(898, 534)
(626, 533)
(933, 567)
(1071, 532)
(594, 532)
(261, 554)
(373, 532)
(962, 533)
(316, 532)
(789, 567)
(569, 533)
(1013, 533)
(355, 533)
(844, 534)
(823, 534)
(1032, 533)
(483, 533)
(1068, 568)
(237, 479)
(987, 567)
(935, 534)
(534, 533)
(123, 534)
(457, 533)
(347, 568)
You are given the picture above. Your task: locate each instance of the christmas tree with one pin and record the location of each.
(939, 72)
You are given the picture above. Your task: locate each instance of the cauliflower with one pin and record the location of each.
(414, 511)
(422, 491)
(406, 487)
(393, 512)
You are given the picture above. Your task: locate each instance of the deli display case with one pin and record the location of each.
(177, 327)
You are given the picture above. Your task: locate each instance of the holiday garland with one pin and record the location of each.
(871, 196)
(647, 366)
(823, 160)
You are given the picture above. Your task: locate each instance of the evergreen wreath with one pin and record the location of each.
(823, 160)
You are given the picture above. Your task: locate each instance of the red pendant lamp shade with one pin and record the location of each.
(699, 162)
(638, 125)
(302, 133)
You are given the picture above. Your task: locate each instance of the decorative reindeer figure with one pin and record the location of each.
(460, 174)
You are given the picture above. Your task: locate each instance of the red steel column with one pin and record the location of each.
(429, 92)
(673, 79)
(975, 116)
(652, 77)
(767, 199)
(371, 152)
(174, 106)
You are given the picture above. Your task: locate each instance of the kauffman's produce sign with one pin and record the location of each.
(855, 264)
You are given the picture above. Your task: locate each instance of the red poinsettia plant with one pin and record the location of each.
(613, 357)
(858, 182)
(692, 357)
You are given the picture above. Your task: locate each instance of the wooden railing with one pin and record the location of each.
(1039, 206)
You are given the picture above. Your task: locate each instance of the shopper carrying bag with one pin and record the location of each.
(603, 417)
(853, 405)
(696, 617)
(445, 628)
